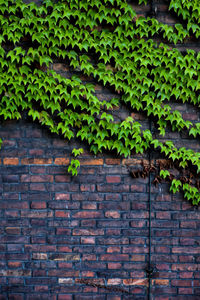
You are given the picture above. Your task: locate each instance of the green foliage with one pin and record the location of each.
(106, 41)
(164, 174)
(75, 163)
(73, 167)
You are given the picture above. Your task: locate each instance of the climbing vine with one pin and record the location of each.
(106, 41)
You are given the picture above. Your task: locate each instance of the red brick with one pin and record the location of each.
(36, 214)
(60, 196)
(114, 281)
(138, 188)
(62, 178)
(87, 214)
(15, 204)
(65, 231)
(186, 258)
(185, 267)
(113, 179)
(114, 257)
(87, 274)
(88, 232)
(91, 162)
(139, 223)
(39, 205)
(37, 178)
(13, 230)
(64, 265)
(89, 205)
(39, 256)
(14, 264)
(112, 214)
(186, 275)
(63, 273)
(181, 282)
(113, 250)
(41, 288)
(190, 250)
(64, 249)
(36, 152)
(36, 161)
(64, 297)
(11, 161)
(186, 291)
(89, 257)
(114, 266)
(163, 215)
(62, 214)
(87, 240)
(160, 282)
(138, 257)
(136, 282)
(188, 224)
(113, 161)
(87, 187)
(61, 161)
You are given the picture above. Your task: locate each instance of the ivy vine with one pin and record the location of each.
(107, 41)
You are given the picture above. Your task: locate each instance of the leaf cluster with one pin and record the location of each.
(106, 41)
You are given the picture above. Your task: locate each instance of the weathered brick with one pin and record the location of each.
(15, 273)
(65, 257)
(39, 256)
(36, 214)
(114, 281)
(65, 280)
(112, 214)
(88, 232)
(130, 281)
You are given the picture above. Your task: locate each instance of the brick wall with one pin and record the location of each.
(87, 237)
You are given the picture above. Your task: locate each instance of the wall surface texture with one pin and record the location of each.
(87, 237)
